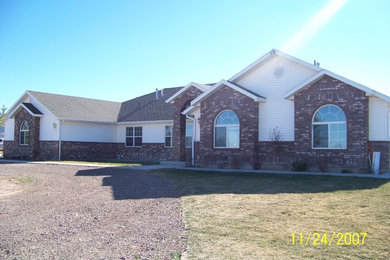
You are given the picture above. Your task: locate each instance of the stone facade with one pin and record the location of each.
(13, 149)
(179, 128)
(354, 103)
(48, 150)
(226, 98)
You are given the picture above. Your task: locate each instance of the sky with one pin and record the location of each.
(118, 50)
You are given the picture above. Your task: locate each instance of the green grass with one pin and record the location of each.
(252, 216)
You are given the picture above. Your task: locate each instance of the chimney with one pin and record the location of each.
(156, 93)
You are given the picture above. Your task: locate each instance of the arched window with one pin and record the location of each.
(23, 133)
(227, 130)
(329, 128)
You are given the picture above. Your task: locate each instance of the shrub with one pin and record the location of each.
(345, 171)
(299, 166)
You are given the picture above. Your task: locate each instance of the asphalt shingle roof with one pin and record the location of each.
(78, 108)
(147, 107)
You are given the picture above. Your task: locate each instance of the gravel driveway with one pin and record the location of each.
(77, 212)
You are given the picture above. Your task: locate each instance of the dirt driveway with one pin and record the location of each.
(77, 212)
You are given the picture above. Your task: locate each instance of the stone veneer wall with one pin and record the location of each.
(48, 150)
(354, 103)
(384, 148)
(247, 111)
(12, 149)
(179, 120)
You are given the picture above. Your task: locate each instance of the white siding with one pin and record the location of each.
(88, 132)
(46, 132)
(378, 126)
(151, 133)
(9, 130)
(276, 111)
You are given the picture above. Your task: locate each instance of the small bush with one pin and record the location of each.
(345, 171)
(299, 166)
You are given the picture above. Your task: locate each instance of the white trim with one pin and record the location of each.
(328, 124)
(268, 55)
(239, 131)
(86, 121)
(145, 122)
(165, 136)
(230, 85)
(191, 84)
(187, 110)
(24, 131)
(28, 110)
(134, 136)
(369, 92)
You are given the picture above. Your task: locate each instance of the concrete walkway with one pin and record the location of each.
(175, 166)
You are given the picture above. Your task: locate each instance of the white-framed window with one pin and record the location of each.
(134, 136)
(168, 135)
(329, 128)
(227, 130)
(189, 135)
(24, 132)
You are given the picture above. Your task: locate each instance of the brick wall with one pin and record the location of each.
(148, 152)
(354, 103)
(247, 111)
(384, 148)
(12, 149)
(273, 155)
(101, 151)
(180, 121)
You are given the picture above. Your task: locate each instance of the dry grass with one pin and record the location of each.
(109, 163)
(251, 216)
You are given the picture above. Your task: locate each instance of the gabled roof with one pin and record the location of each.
(256, 97)
(267, 56)
(30, 108)
(148, 108)
(201, 87)
(78, 108)
(370, 92)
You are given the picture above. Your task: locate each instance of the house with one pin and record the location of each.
(276, 111)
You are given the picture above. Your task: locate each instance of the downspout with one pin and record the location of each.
(59, 139)
(193, 139)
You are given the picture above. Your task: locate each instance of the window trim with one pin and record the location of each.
(171, 136)
(233, 125)
(134, 136)
(328, 124)
(24, 131)
(185, 135)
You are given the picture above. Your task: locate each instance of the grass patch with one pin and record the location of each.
(252, 216)
(112, 162)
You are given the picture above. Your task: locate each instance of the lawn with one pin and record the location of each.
(252, 216)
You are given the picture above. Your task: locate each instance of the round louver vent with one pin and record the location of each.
(279, 72)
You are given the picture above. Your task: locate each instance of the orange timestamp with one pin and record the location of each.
(338, 239)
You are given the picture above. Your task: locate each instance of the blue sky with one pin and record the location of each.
(117, 50)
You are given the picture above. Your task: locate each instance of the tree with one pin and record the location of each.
(3, 115)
